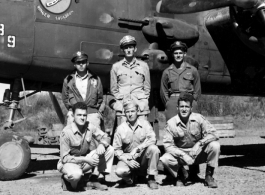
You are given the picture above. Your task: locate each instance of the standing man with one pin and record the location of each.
(83, 86)
(190, 139)
(130, 79)
(134, 145)
(76, 157)
(179, 77)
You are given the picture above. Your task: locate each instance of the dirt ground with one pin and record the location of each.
(241, 171)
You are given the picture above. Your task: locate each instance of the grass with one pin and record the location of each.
(248, 112)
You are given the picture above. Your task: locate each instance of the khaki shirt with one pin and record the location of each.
(131, 81)
(126, 138)
(73, 143)
(176, 80)
(179, 137)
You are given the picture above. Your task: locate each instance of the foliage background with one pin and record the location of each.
(248, 112)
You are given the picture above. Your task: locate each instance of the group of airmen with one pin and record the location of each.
(86, 155)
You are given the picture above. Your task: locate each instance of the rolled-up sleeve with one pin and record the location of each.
(169, 145)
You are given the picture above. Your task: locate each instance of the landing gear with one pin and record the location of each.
(15, 152)
(14, 156)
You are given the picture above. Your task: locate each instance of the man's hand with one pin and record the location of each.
(93, 161)
(133, 164)
(70, 113)
(195, 149)
(134, 151)
(188, 159)
(101, 149)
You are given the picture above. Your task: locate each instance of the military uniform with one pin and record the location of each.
(180, 138)
(74, 144)
(175, 80)
(131, 81)
(86, 89)
(127, 138)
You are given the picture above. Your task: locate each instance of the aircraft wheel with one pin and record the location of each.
(14, 156)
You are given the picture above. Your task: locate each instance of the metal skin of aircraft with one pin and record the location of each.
(38, 37)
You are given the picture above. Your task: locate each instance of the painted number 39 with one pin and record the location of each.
(11, 40)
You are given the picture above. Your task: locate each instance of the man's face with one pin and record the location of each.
(80, 116)
(184, 109)
(129, 50)
(178, 55)
(81, 65)
(131, 114)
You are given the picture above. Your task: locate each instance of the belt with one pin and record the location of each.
(175, 95)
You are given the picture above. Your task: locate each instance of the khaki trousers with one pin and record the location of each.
(73, 172)
(148, 163)
(209, 154)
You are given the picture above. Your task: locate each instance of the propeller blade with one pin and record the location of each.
(191, 6)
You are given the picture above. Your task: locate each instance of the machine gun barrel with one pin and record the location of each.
(134, 21)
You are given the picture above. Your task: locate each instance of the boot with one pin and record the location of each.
(209, 180)
(182, 178)
(66, 186)
(193, 173)
(95, 184)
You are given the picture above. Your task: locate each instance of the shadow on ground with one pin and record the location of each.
(243, 155)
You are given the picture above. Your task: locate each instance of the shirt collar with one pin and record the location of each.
(126, 63)
(137, 124)
(84, 77)
(75, 128)
(191, 118)
(172, 66)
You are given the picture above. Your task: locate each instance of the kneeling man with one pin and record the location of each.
(76, 157)
(190, 139)
(134, 145)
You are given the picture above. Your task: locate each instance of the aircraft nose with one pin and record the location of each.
(168, 30)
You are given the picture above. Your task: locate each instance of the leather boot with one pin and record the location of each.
(95, 184)
(209, 180)
(182, 178)
(193, 173)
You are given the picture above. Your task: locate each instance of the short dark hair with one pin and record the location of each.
(186, 97)
(79, 105)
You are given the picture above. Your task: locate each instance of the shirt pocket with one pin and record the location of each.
(195, 130)
(138, 76)
(142, 137)
(122, 77)
(75, 148)
(188, 81)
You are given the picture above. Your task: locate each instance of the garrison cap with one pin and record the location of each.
(178, 45)
(79, 56)
(185, 96)
(127, 40)
(129, 103)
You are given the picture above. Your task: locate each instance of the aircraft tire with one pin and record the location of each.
(15, 156)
